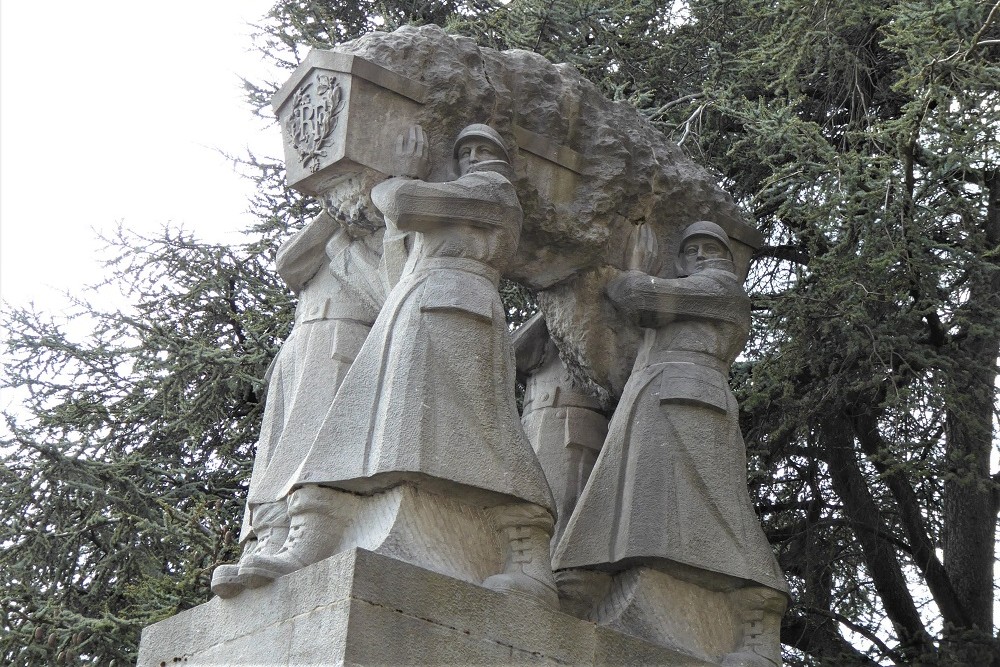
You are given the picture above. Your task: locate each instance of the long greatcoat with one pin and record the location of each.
(340, 293)
(430, 395)
(670, 482)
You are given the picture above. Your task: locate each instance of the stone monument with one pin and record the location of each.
(667, 504)
(397, 492)
(428, 405)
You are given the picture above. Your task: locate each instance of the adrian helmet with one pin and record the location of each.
(480, 131)
(706, 228)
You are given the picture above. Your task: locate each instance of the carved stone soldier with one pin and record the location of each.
(669, 488)
(429, 400)
(564, 423)
(333, 268)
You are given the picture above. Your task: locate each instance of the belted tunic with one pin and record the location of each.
(430, 396)
(670, 482)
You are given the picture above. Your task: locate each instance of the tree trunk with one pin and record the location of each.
(970, 509)
(880, 556)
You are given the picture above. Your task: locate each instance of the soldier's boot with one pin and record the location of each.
(318, 517)
(270, 524)
(761, 610)
(581, 591)
(528, 569)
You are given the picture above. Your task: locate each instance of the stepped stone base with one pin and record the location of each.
(362, 608)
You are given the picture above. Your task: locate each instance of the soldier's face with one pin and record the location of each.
(697, 249)
(473, 151)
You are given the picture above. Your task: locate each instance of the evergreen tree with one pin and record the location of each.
(124, 470)
(860, 136)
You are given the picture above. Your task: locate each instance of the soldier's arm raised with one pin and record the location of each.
(653, 302)
(301, 256)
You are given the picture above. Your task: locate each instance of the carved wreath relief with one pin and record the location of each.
(313, 119)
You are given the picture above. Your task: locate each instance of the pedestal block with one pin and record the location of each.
(362, 608)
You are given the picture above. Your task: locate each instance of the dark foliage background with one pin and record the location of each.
(860, 136)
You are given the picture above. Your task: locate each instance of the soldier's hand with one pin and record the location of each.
(641, 250)
(412, 153)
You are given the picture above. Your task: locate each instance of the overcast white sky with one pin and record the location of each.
(112, 111)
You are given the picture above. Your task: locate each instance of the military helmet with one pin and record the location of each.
(706, 228)
(480, 131)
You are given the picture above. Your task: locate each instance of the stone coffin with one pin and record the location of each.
(340, 114)
(343, 114)
(588, 171)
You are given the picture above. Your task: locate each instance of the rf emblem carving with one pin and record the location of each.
(315, 108)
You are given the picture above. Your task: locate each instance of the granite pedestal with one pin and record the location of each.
(362, 608)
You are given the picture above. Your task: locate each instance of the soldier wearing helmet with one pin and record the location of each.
(703, 242)
(479, 147)
(669, 488)
(429, 400)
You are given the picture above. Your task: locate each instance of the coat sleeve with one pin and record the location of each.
(653, 302)
(301, 256)
(479, 199)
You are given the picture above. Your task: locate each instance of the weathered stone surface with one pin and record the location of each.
(333, 270)
(587, 171)
(341, 115)
(669, 486)
(628, 172)
(421, 455)
(431, 391)
(428, 400)
(670, 612)
(597, 345)
(359, 608)
(332, 264)
(564, 424)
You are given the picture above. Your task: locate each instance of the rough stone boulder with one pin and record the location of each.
(589, 171)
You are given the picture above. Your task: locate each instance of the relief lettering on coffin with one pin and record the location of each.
(314, 116)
